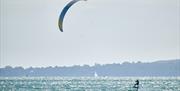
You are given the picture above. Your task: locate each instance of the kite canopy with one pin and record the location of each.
(64, 11)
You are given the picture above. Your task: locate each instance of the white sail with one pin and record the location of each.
(95, 74)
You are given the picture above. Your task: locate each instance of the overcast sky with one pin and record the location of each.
(96, 31)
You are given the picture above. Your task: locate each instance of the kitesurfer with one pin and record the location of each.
(136, 85)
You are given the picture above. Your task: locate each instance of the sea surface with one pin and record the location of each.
(88, 83)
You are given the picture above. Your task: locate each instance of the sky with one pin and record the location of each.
(95, 31)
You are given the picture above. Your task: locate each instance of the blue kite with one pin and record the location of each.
(64, 11)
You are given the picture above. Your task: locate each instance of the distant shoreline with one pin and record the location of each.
(169, 68)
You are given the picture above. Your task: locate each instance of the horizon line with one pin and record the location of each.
(130, 62)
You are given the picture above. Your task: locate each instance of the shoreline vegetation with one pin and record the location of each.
(168, 68)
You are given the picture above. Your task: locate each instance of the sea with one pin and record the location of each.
(89, 83)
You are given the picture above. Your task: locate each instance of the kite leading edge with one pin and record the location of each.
(64, 11)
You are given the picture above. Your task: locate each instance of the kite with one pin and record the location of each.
(64, 11)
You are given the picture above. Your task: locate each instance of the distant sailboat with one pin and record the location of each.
(95, 74)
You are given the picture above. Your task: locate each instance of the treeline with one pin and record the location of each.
(159, 68)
